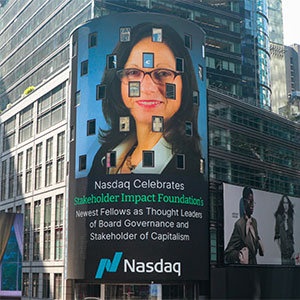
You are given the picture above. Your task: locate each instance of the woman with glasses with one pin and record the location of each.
(149, 107)
(284, 230)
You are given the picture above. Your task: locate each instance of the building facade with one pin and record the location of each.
(247, 145)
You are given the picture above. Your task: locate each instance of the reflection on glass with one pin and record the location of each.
(148, 60)
(157, 35)
(148, 159)
(157, 124)
(134, 89)
(125, 34)
(124, 124)
(112, 61)
(170, 91)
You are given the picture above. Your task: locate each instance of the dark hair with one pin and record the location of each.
(114, 107)
(280, 209)
(246, 192)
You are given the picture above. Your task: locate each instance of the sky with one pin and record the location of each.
(291, 22)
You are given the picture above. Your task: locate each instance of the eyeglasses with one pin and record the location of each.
(158, 76)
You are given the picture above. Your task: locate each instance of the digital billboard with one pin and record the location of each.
(11, 251)
(138, 194)
(260, 227)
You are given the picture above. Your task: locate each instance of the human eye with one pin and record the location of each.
(132, 73)
(162, 74)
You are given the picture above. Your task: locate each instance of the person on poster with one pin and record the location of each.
(150, 105)
(284, 230)
(244, 241)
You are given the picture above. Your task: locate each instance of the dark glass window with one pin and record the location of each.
(91, 127)
(188, 128)
(180, 161)
(196, 97)
(93, 39)
(82, 162)
(170, 91)
(148, 159)
(100, 92)
(111, 159)
(84, 68)
(111, 61)
(188, 41)
(179, 64)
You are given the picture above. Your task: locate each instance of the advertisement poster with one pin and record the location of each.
(138, 194)
(11, 251)
(272, 234)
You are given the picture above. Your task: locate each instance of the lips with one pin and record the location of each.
(149, 103)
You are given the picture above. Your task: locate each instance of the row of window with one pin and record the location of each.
(241, 174)
(12, 177)
(238, 143)
(41, 287)
(35, 229)
(50, 111)
(248, 119)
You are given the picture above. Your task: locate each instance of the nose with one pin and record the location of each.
(147, 85)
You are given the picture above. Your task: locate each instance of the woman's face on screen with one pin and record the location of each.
(144, 94)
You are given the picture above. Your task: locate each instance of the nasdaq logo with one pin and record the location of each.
(110, 266)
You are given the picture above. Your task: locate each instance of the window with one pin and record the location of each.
(202, 166)
(3, 180)
(100, 92)
(26, 123)
(26, 244)
(59, 210)
(77, 98)
(179, 64)
(134, 89)
(188, 41)
(28, 170)
(170, 91)
(111, 61)
(58, 243)
(180, 161)
(47, 212)
(35, 285)
(46, 286)
(196, 97)
(200, 72)
(111, 159)
(11, 177)
(38, 177)
(37, 214)
(49, 157)
(60, 157)
(92, 39)
(27, 217)
(157, 35)
(157, 124)
(9, 134)
(84, 68)
(125, 34)
(20, 174)
(91, 127)
(82, 162)
(124, 124)
(148, 159)
(36, 245)
(25, 288)
(148, 60)
(47, 244)
(57, 286)
(19, 209)
(51, 108)
(188, 128)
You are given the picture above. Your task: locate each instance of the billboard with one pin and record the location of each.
(138, 195)
(11, 251)
(260, 227)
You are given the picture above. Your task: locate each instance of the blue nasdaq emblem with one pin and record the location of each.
(105, 263)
